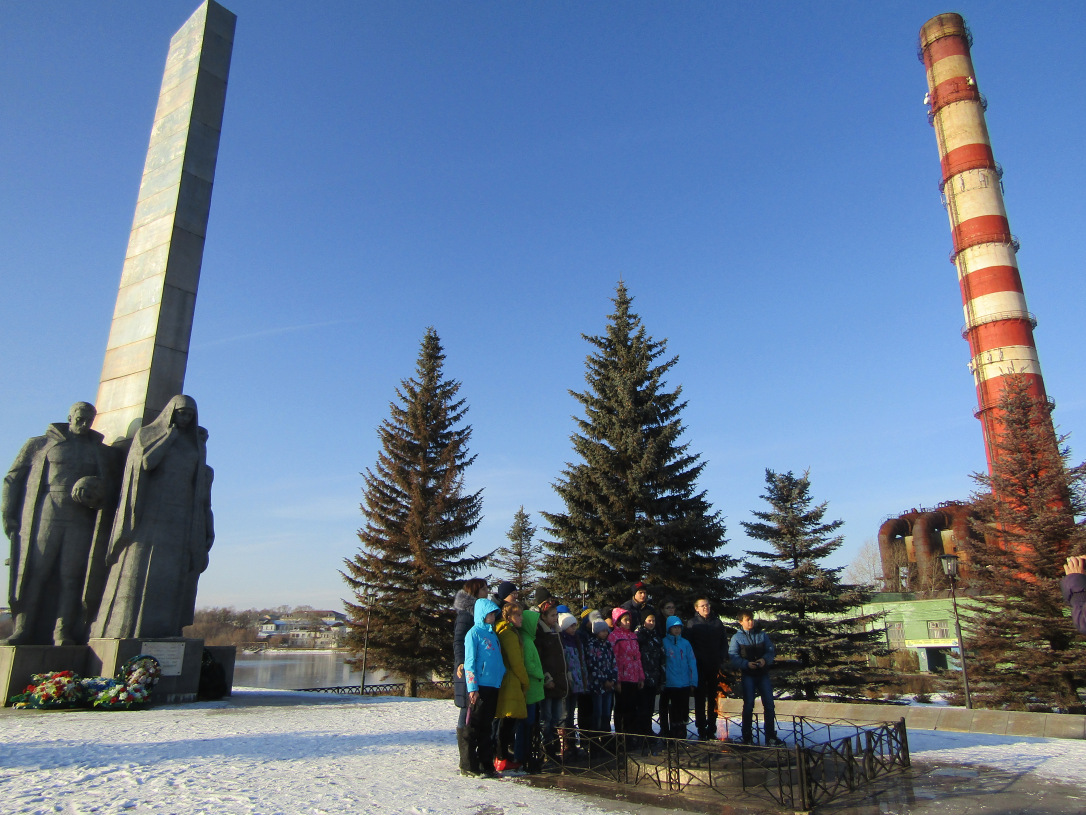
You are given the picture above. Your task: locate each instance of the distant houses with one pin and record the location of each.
(309, 629)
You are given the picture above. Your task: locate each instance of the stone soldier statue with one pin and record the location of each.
(162, 530)
(50, 501)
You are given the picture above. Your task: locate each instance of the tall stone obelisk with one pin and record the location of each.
(148, 343)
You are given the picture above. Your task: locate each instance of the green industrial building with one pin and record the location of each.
(921, 621)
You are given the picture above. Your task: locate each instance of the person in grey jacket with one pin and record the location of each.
(1074, 590)
(752, 652)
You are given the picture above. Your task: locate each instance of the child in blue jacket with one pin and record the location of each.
(680, 678)
(752, 652)
(483, 670)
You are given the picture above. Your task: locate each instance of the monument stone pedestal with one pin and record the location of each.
(18, 663)
(179, 658)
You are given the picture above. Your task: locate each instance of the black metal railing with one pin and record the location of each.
(391, 689)
(826, 759)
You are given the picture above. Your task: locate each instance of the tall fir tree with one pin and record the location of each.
(418, 517)
(632, 511)
(1023, 652)
(814, 615)
(521, 559)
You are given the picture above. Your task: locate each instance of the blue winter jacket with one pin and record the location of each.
(680, 667)
(483, 663)
(756, 642)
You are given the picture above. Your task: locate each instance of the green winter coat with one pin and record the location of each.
(511, 702)
(531, 658)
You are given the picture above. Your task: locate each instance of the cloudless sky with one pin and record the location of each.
(761, 175)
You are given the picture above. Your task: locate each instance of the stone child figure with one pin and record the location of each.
(50, 501)
(162, 530)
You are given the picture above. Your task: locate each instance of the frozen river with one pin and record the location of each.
(302, 669)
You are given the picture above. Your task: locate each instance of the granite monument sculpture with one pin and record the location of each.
(162, 530)
(50, 504)
(148, 346)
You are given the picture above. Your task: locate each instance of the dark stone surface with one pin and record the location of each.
(50, 505)
(162, 532)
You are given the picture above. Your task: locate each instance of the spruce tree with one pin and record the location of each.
(632, 511)
(814, 615)
(519, 562)
(1023, 652)
(418, 517)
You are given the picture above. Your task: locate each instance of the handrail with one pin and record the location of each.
(995, 318)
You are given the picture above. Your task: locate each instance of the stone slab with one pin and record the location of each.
(1064, 726)
(997, 722)
(1023, 724)
(989, 721)
(18, 663)
(226, 655)
(179, 682)
(921, 718)
(955, 719)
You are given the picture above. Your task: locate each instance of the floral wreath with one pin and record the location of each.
(64, 689)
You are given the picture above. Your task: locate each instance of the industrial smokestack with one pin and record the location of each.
(998, 326)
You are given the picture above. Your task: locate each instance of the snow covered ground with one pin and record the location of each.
(265, 752)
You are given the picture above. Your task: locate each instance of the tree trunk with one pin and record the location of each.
(411, 687)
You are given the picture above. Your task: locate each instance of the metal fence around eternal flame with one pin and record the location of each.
(826, 758)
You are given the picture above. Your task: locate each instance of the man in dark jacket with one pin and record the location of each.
(638, 604)
(752, 653)
(708, 639)
(1074, 590)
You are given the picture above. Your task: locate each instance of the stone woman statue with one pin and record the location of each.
(162, 531)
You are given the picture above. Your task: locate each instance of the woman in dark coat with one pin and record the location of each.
(464, 605)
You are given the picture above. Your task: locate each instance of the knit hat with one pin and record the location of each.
(540, 595)
(599, 626)
(638, 586)
(565, 621)
(673, 621)
(505, 588)
(585, 612)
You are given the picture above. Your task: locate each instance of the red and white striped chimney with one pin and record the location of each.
(998, 326)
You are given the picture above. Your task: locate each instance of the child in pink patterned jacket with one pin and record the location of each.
(631, 676)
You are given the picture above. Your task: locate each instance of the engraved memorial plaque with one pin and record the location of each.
(170, 655)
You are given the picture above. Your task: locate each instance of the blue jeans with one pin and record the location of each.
(551, 714)
(756, 683)
(522, 735)
(602, 704)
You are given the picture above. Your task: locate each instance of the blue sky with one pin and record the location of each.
(762, 177)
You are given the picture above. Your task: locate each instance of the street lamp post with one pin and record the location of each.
(583, 584)
(367, 593)
(950, 569)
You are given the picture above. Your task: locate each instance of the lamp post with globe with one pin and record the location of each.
(950, 569)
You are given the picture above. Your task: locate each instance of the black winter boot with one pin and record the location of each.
(464, 748)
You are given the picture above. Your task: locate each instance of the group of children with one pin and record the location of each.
(543, 668)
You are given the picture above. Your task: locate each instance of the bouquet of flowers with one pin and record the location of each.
(51, 691)
(131, 688)
(142, 670)
(118, 696)
(63, 689)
